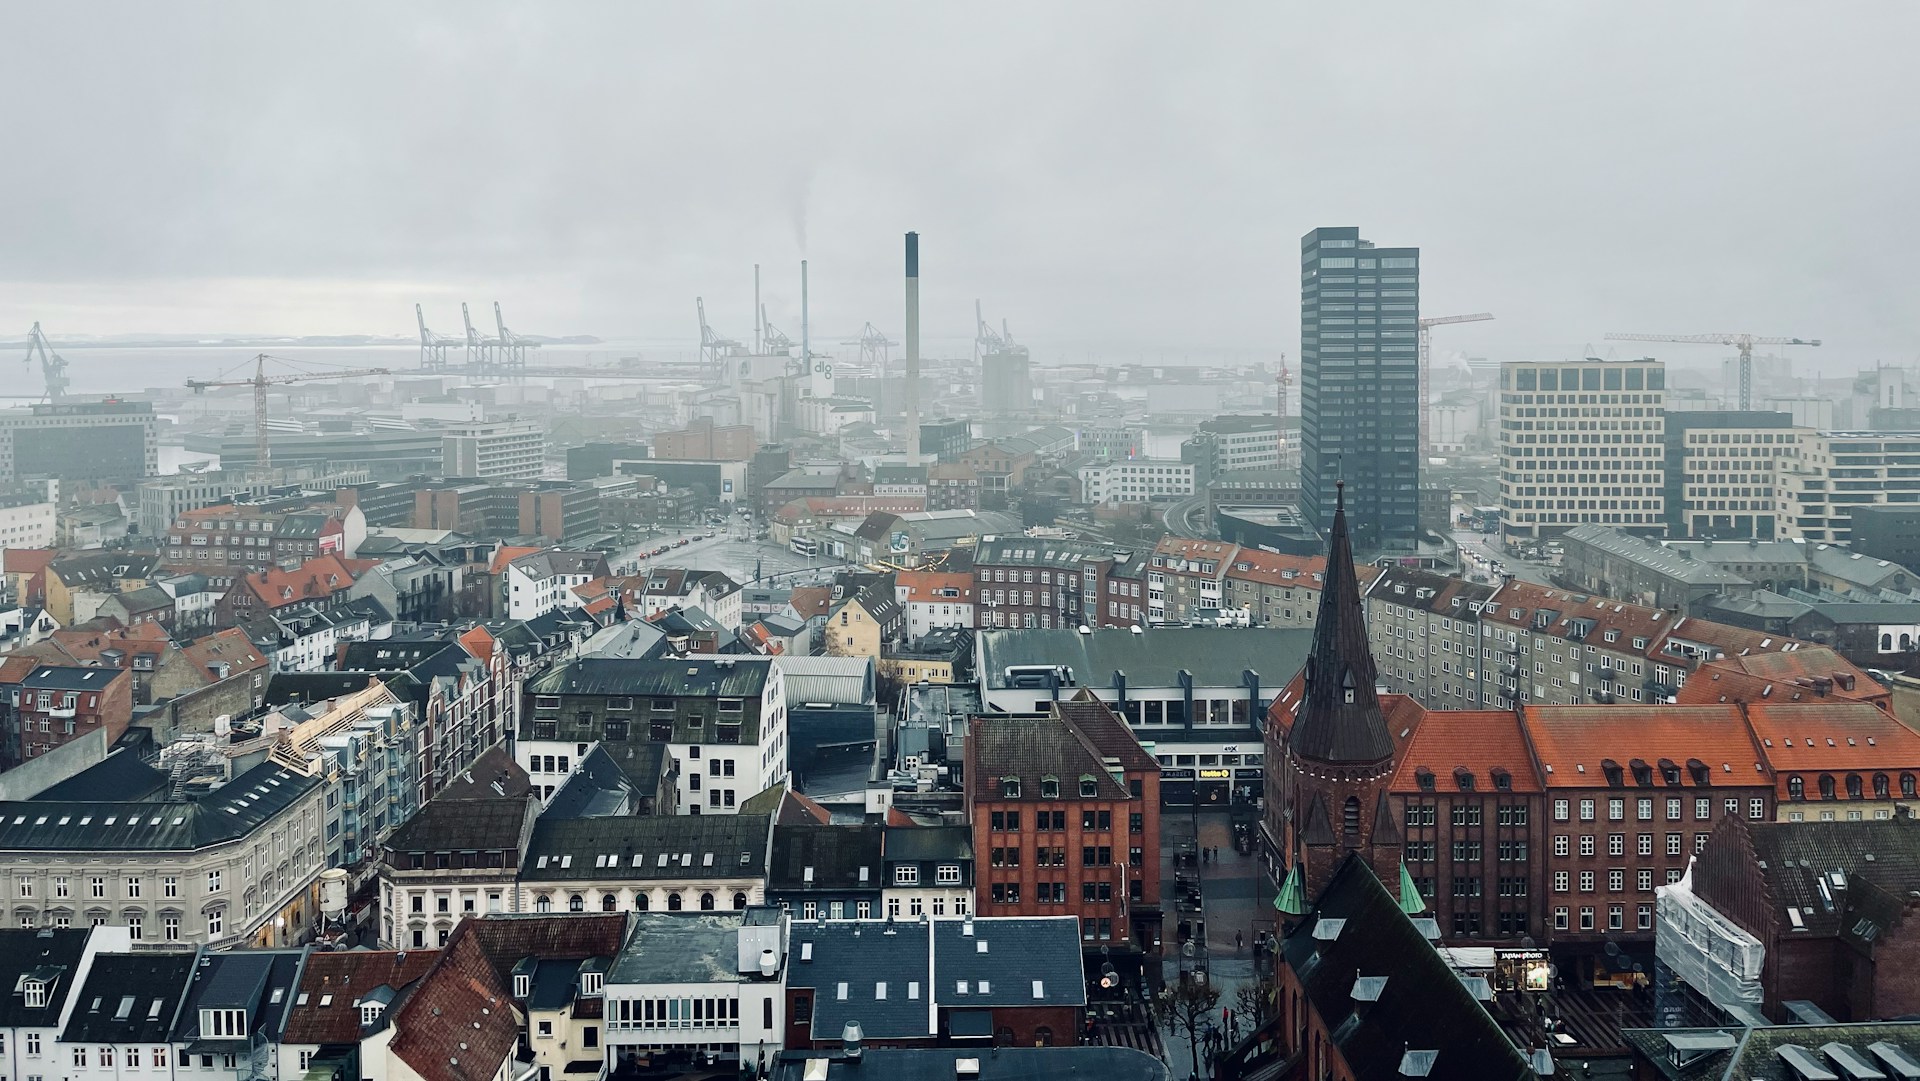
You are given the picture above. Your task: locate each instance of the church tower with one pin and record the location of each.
(1340, 753)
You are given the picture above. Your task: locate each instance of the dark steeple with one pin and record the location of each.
(1339, 718)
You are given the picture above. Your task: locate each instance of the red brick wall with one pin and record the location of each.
(1073, 840)
(1443, 868)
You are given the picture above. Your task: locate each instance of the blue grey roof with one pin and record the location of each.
(1026, 961)
(120, 777)
(233, 810)
(725, 678)
(1215, 655)
(26, 950)
(129, 998)
(260, 981)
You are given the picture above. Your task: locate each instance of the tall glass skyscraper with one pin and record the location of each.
(1360, 387)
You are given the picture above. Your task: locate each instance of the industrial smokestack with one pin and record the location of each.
(913, 348)
(756, 309)
(812, 375)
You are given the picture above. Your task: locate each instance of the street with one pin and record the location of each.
(1481, 552)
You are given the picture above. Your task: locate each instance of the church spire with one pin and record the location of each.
(1339, 719)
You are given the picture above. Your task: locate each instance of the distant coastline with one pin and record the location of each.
(312, 340)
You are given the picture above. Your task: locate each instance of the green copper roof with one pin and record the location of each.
(1292, 898)
(1410, 900)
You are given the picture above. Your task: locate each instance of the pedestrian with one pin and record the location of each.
(1238, 941)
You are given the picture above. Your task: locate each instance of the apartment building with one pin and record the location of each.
(1210, 581)
(228, 867)
(657, 863)
(1063, 583)
(1831, 473)
(57, 704)
(1136, 480)
(1425, 629)
(935, 600)
(1582, 442)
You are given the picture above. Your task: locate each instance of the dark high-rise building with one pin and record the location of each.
(106, 440)
(1360, 386)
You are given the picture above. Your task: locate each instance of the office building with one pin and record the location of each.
(163, 499)
(1722, 471)
(1360, 386)
(1888, 532)
(1830, 474)
(95, 441)
(1582, 442)
(511, 449)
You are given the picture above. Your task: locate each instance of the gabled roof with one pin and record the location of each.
(129, 998)
(1574, 743)
(506, 939)
(1807, 674)
(507, 554)
(1106, 731)
(326, 1008)
(812, 602)
(1480, 742)
(316, 579)
(484, 823)
(653, 848)
(463, 987)
(820, 856)
(1798, 860)
(923, 844)
(261, 982)
(1833, 737)
(1423, 1005)
(230, 647)
(53, 954)
(1034, 749)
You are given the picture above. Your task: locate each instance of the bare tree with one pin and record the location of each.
(1253, 1002)
(1183, 1009)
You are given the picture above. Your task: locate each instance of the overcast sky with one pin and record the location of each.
(1116, 180)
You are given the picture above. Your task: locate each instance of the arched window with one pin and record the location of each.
(673, 902)
(641, 901)
(543, 903)
(1853, 786)
(1881, 789)
(1826, 786)
(1906, 642)
(576, 903)
(1907, 787)
(609, 903)
(1886, 643)
(1350, 817)
(1796, 788)
(706, 902)
(1043, 1036)
(739, 901)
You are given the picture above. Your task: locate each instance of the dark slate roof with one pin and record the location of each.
(121, 777)
(666, 847)
(69, 678)
(860, 955)
(837, 856)
(680, 947)
(326, 1008)
(1339, 718)
(1067, 1063)
(1796, 858)
(262, 982)
(233, 810)
(1424, 1006)
(396, 654)
(1756, 1052)
(129, 998)
(929, 844)
(493, 775)
(23, 950)
(285, 687)
(1034, 748)
(721, 678)
(1022, 960)
(1217, 656)
(596, 787)
(458, 825)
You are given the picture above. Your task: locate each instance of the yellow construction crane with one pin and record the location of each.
(1742, 342)
(263, 448)
(1426, 368)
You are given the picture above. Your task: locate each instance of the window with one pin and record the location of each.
(1560, 844)
(1586, 919)
(170, 926)
(1645, 917)
(1702, 808)
(1616, 810)
(1616, 844)
(1673, 808)
(33, 1044)
(1616, 880)
(1673, 843)
(1643, 808)
(223, 1024)
(1560, 880)
(1586, 810)
(947, 874)
(1757, 807)
(213, 881)
(907, 876)
(216, 922)
(1586, 845)
(1586, 881)
(1560, 919)
(1643, 880)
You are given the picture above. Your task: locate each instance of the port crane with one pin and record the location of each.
(53, 366)
(1426, 369)
(873, 348)
(512, 348)
(985, 338)
(433, 347)
(713, 348)
(263, 447)
(1742, 342)
(772, 341)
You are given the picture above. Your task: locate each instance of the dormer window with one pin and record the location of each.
(1049, 787)
(34, 991)
(1089, 786)
(522, 985)
(1010, 787)
(591, 982)
(1424, 778)
(223, 1024)
(370, 1014)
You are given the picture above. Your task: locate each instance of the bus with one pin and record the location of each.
(805, 546)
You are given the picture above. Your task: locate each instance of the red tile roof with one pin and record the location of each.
(231, 647)
(1572, 743)
(1782, 677)
(325, 1009)
(920, 586)
(316, 579)
(506, 940)
(1478, 741)
(507, 554)
(459, 1024)
(478, 643)
(1833, 737)
(811, 601)
(27, 560)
